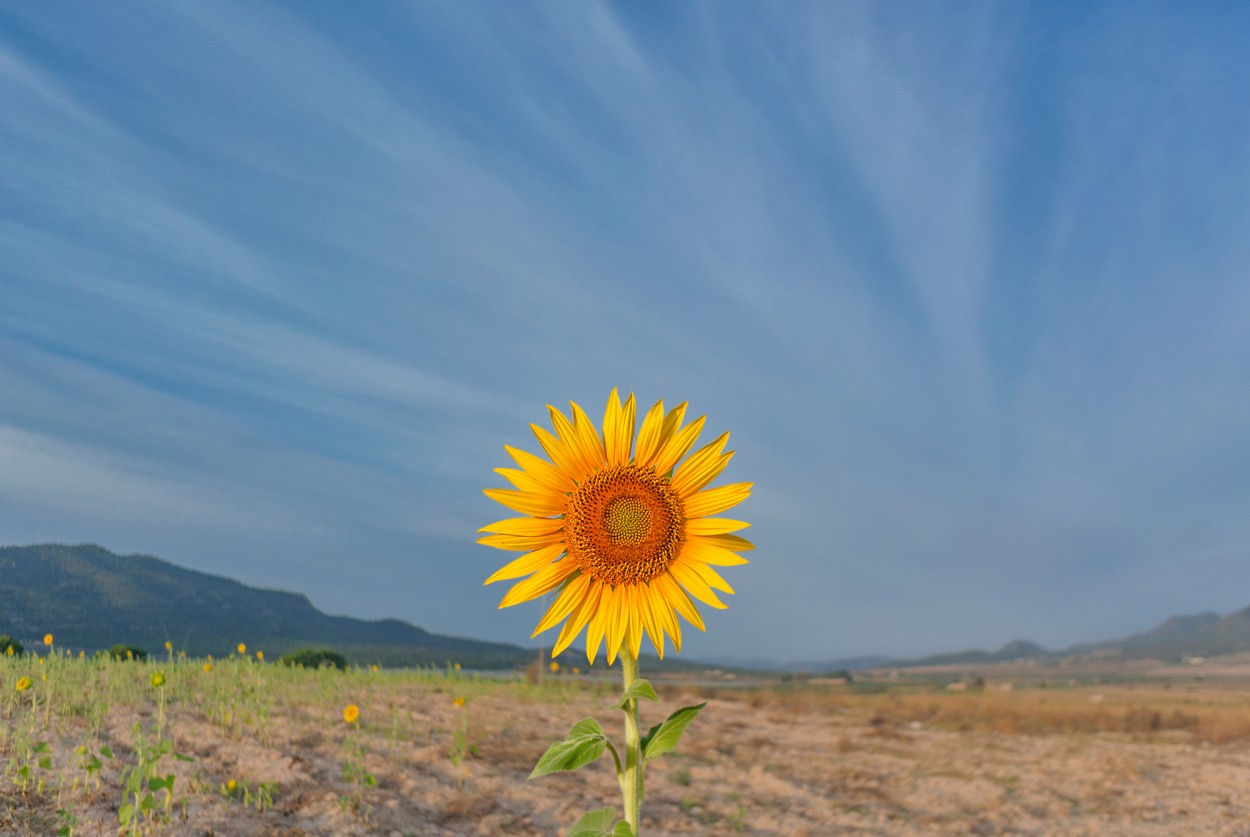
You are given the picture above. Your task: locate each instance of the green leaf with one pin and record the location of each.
(46, 762)
(598, 824)
(146, 804)
(40, 747)
(585, 743)
(638, 689)
(125, 813)
(106, 751)
(181, 757)
(663, 738)
(622, 830)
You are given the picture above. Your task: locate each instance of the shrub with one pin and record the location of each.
(118, 652)
(7, 642)
(308, 658)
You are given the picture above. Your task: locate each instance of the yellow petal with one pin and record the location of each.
(676, 447)
(712, 578)
(716, 500)
(709, 549)
(653, 627)
(598, 622)
(568, 435)
(570, 597)
(694, 584)
(702, 467)
(565, 460)
(544, 581)
(611, 426)
(649, 439)
(677, 597)
(581, 616)
(633, 608)
(525, 526)
(543, 471)
(527, 502)
(588, 438)
(523, 543)
(618, 429)
(617, 622)
(714, 526)
(672, 422)
(529, 563)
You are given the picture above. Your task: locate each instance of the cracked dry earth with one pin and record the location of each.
(744, 766)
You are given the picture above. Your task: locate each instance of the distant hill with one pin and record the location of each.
(1197, 635)
(88, 597)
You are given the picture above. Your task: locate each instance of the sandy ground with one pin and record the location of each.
(750, 767)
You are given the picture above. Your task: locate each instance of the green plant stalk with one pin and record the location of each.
(631, 781)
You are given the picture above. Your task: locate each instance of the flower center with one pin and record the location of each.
(624, 525)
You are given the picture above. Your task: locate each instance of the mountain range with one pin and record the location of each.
(91, 598)
(88, 597)
(1198, 635)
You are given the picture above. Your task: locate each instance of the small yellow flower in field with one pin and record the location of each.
(373, 668)
(130, 655)
(460, 702)
(208, 666)
(9, 650)
(44, 677)
(457, 666)
(210, 656)
(47, 639)
(260, 655)
(24, 683)
(41, 661)
(242, 648)
(576, 670)
(82, 654)
(158, 679)
(350, 713)
(169, 646)
(554, 666)
(232, 785)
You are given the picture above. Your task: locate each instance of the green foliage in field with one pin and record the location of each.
(308, 658)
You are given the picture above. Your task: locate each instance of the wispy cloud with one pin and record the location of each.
(966, 284)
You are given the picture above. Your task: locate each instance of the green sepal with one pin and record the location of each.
(638, 689)
(599, 824)
(663, 738)
(584, 744)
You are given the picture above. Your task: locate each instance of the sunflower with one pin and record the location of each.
(619, 526)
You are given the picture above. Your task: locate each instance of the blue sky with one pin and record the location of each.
(969, 284)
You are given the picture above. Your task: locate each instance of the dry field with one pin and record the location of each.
(809, 760)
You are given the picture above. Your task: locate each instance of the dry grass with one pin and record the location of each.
(1214, 715)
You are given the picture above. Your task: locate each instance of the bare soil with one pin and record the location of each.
(749, 765)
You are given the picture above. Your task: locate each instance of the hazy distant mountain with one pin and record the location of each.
(1199, 635)
(89, 597)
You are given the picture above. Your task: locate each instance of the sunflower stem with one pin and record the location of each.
(631, 784)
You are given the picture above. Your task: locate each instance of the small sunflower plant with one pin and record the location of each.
(620, 531)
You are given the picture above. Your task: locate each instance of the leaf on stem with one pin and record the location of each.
(663, 738)
(638, 689)
(599, 824)
(584, 743)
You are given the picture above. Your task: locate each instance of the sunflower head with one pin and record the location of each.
(351, 713)
(619, 525)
